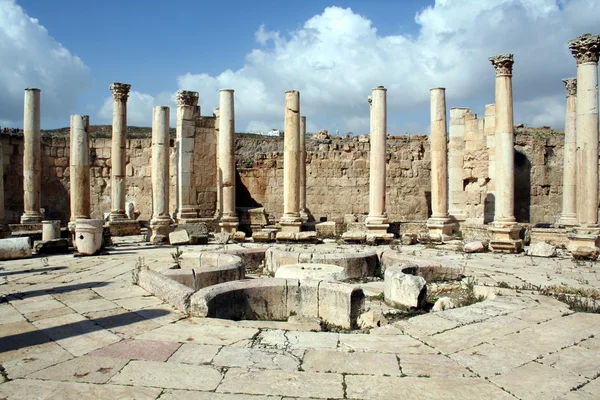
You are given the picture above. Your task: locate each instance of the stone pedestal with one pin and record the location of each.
(187, 111)
(50, 230)
(569, 205)
(505, 229)
(32, 161)
(586, 50)
(291, 221)
(228, 220)
(79, 170)
(377, 220)
(161, 222)
(302, 179)
(440, 226)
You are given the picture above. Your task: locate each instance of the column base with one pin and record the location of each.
(505, 238)
(31, 218)
(304, 215)
(123, 227)
(159, 230)
(588, 237)
(229, 224)
(290, 224)
(568, 220)
(117, 215)
(441, 229)
(377, 225)
(186, 213)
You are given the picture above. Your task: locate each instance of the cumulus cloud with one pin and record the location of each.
(337, 57)
(30, 57)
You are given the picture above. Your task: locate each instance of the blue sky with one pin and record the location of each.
(333, 52)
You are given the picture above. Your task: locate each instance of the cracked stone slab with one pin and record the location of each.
(21, 362)
(536, 381)
(283, 383)
(132, 349)
(83, 369)
(124, 323)
(488, 360)
(168, 375)
(431, 365)
(351, 363)
(8, 314)
(186, 331)
(380, 387)
(255, 359)
(46, 390)
(197, 354)
(576, 360)
(189, 395)
(384, 344)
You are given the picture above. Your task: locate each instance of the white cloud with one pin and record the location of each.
(30, 57)
(336, 57)
(139, 108)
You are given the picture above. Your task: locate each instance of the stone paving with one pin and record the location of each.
(77, 327)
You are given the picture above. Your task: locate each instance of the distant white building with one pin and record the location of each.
(273, 132)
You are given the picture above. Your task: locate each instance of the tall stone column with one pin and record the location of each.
(118, 153)
(160, 224)
(79, 169)
(2, 216)
(228, 221)
(505, 228)
(187, 111)
(32, 161)
(490, 134)
(456, 155)
(302, 179)
(291, 221)
(586, 49)
(440, 225)
(377, 220)
(569, 198)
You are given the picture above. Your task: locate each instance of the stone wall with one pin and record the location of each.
(337, 175)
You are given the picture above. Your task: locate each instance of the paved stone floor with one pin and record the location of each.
(78, 328)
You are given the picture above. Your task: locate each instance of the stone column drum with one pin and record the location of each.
(440, 226)
(187, 111)
(302, 179)
(291, 221)
(3, 228)
(161, 222)
(569, 198)
(505, 229)
(228, 222)
(586, 50)
(79, 168)
(118, 153)
(377, 220)
(32, 161)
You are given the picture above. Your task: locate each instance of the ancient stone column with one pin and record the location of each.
(79, 169)
(440, 225)
(118, 153)
(505, 229)
(586, 50)
(569, 198)
(32, 161)
(377, 220)
(187, 110)
(2, 216)
(490, 134)
(291, 221)
(302, 179)
(228, 221)
(456, 154)
(160, 224)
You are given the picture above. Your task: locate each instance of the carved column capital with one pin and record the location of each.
(571, 86)
(503, 64)
(187, 98)
(585, 48)
(120, 91)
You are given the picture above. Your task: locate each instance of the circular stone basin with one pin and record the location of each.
(322, 272)
(357, 263)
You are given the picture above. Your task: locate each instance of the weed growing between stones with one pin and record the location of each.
(175, 255)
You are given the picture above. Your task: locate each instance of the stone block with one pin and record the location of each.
(52, 246)
(541, 249)
(198, 239)
(403, 290)
(475, 246)
(408, 239)
(15, 248)
(179, 237)
(264, 235)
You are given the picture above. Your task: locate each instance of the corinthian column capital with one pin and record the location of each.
(503, 64)
(120, 91)
(187, 98)
(585, 48)
(570, 86)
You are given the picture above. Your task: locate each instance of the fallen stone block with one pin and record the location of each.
(198, 239)
(53, 246)
(179, 237)
(264, 235)
(285, 236)
(15, 248)
(354, 237)
(541, 249)
(443, 303)
(586, 253)
(371, 319)
(403, 290)
(409, 239)
(307, 237)
(474, 247)
(327, 230)
(238, 236)
(222, 237)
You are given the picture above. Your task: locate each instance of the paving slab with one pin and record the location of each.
(193, 395)
(384, 344)
(55, 312)
(87, 306)
(536, 381)
(576, 360)
(197, 354)
(431, 365)
(284, 383)
(36, 304)
(132, 349)
(139, 302)
(378, 387)
(168, 375)
(200, 334)
(82, 369)
(351, 363)
(124, 323)
(8, 314)
(23, 361)
(255, 359)
(488, 360)
(46, 390)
